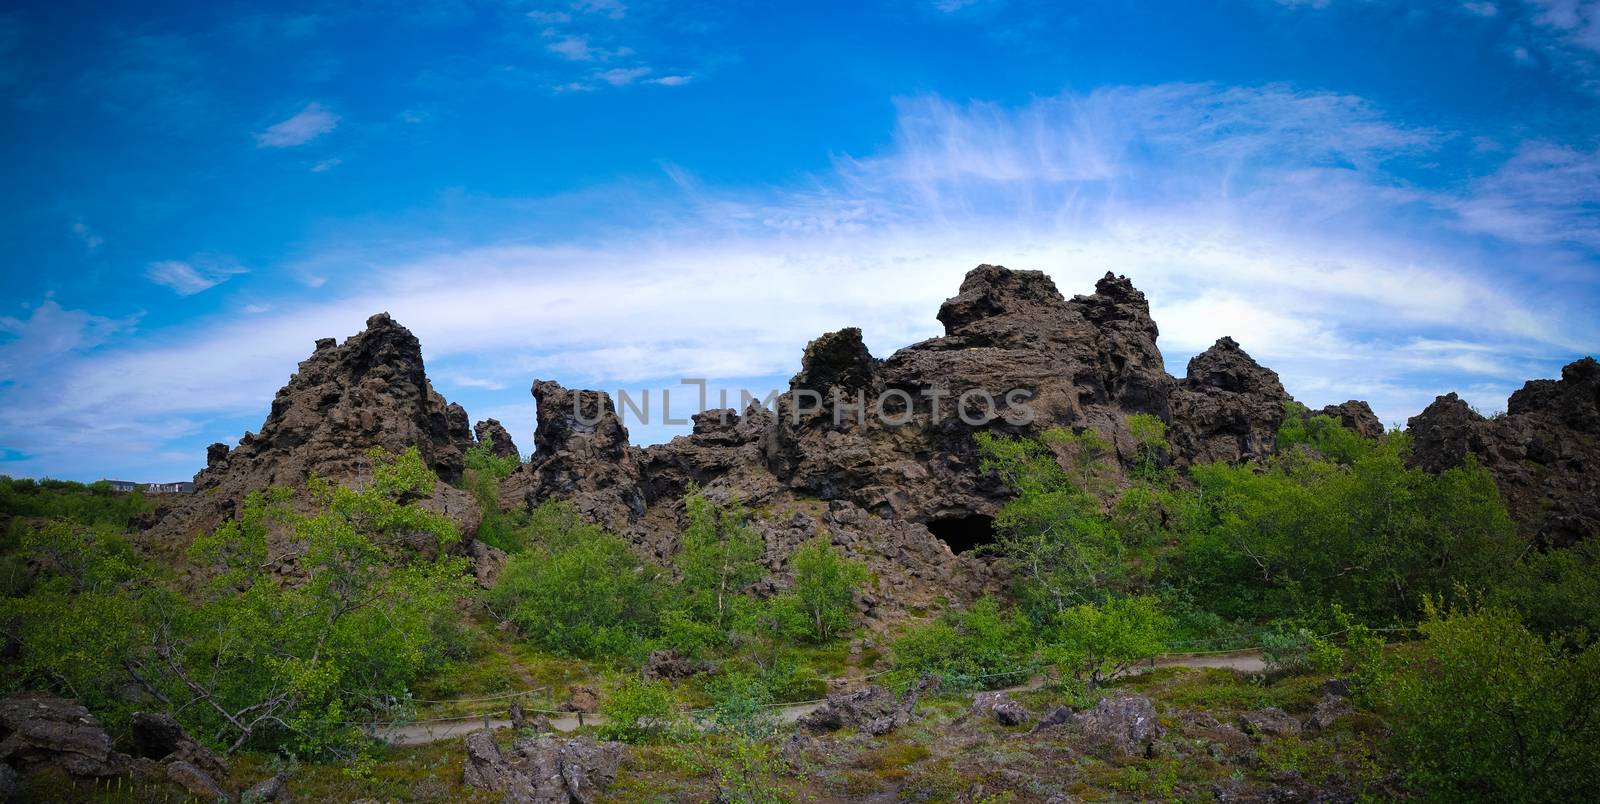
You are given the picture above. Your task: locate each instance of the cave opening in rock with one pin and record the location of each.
(964, 533)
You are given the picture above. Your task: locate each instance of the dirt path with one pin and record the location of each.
(418, 733)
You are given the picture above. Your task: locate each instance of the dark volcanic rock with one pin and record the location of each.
(41, 730)
(1544, 453)
(491, 432)
(345, 399)
(1128, 725)
(1356, 415)
(1269, 722)
(1228, 407)
(158, 736)
(581, 455)
(1001, 707)
(542, 769)
(873, 710)
(196, 781)
(889, 445)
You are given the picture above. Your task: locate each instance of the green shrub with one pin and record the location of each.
(718, 560)
(823, 597)
(981, 645)
(1052, 535)
(1484, 710)
(579, 591)
(1297, 650)
(1557, 591)
(638, 711)
(1324, 434)
(1095, 643)
(1374, 536)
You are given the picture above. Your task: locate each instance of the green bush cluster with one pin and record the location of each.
(252, 658)
(1485, 710)
(579, 591)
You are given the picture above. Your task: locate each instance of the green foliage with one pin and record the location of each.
(89, 504)
(1374, 536)
(1150, 441)
(484, 471)
(253, 659)
(741, 705)
(980, 645)
(1324, 434)
(638, 711)
(824, 591)
(1486, 710)
(1095, 643)
(718, 560)
(258, 660)
(481, 458)
(1298, 650)
(1052, 534)
(1557, 591)
(747, 771)
(578, 590)
(81, 614)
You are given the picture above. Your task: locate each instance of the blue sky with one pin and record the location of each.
(1380, 200)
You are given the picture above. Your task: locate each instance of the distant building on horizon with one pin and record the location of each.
(125, 486)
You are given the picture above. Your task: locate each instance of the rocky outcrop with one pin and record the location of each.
(581, 455)
(541, 769)
(1269, 722)
(42, 730)
(344, 400)
(493, 433)
(1356, 415)
(1544, 453)
(888, 445)
(872, 710)
(158, 736)
(1227, 408)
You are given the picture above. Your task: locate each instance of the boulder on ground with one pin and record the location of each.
(1329, 709)
(196, 781)
(670, 664)
(158, 736)
(43, 730)
(1127, 724)
(581, 698)
(873, 709)
(1001, 707)
(542, 769)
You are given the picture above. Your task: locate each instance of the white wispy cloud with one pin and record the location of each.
(306, 125)
(1265, 213)
(90, 240)
(623, 76)
(571, 47)
(189, 278)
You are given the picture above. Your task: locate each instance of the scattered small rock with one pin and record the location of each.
(1329, 709)
(1058, 716)
(1001, 707)
(1269, 722)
